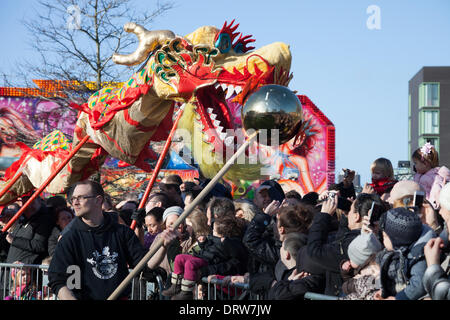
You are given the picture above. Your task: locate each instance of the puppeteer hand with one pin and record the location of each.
(168, 236)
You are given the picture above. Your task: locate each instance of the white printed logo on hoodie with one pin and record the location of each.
(104, 264)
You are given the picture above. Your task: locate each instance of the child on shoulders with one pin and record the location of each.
(429, 175)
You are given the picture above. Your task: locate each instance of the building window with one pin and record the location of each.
(429, 95)
(428, 122)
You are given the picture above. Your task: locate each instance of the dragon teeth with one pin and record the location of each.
(230, 91)
(229, 88)
(213, 116)
(216, 123)
(219, 128)
(209, 110)
(222, 135)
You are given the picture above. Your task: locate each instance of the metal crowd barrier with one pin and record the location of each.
(318, 296)
(30, 282)
(24, 282)
(216, 289)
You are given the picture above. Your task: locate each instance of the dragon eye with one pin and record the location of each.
(223, 42)
(239, 48)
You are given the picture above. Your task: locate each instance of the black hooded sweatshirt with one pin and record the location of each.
(103, 254)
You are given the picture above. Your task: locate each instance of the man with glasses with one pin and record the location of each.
(97, 250)
(156, 199)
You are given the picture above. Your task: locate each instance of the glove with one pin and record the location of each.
(139, 216)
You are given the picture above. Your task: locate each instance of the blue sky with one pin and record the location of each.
(356, 76)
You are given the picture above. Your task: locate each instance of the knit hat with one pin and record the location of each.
(403, 188)
(402, 226)
(172, 210)
(444, 197)
(362, 247)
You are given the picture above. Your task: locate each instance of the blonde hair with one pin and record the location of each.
(385, 166)
(199, 223)
(432, 157)
(248, 208)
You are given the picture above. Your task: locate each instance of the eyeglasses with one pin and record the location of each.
(79, 198)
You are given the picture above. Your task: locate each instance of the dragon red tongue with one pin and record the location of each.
(224, 109)
(208, 98)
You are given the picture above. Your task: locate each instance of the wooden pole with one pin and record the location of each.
(181, 218)
(45, 184)
(158, 165)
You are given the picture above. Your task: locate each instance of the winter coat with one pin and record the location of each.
(402, 270)
(436, 279)
(362, 283)
(227, 257)
(103, 255)
(53, 240)
(295, 290)
(363, 288)
(261, 283)
(329, 254)
(348, 192)
(30, 238)
(437, 282)
(262, 244)
(432, 181)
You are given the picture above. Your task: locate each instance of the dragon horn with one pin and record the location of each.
(148, 40)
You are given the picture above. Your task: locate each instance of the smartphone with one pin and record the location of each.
(418, 198)
(371, 211)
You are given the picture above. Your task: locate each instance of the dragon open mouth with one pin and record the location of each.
(220, 116)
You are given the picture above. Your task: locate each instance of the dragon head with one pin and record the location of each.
(211, 72)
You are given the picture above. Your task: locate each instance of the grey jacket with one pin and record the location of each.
(436, 283)
(436, 280)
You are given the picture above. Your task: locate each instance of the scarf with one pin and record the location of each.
(382, 185)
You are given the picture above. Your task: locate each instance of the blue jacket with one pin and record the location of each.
(402, 270)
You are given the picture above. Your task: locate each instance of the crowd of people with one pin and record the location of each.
(388, 242)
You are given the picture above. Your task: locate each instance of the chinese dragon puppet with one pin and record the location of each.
(208, 74)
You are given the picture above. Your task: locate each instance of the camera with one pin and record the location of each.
(346, 172)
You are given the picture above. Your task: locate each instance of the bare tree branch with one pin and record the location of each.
(75, 39)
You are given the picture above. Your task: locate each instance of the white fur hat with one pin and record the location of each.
(444, 197)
